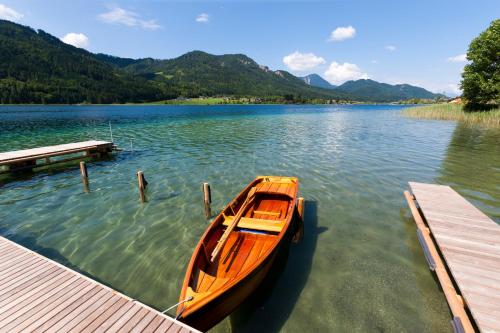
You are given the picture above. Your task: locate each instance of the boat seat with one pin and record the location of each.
(256, 224)
(260, 212)
(277, 188)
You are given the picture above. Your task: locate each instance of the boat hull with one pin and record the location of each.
(246, 236)
(222, 306)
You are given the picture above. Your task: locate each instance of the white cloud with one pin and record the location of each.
(297, 61)
(118, 15)
(448, 89)
(9, 14)
(76, 39)
(342, 33)
(391, 48)
(454, 89)
(203, 18)
(339, 73)
(458, 58)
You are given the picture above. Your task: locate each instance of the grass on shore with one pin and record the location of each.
(490, 118)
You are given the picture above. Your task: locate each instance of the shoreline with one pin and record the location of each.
(204, 101)
(213, 104)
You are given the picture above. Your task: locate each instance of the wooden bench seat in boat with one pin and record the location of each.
(257, 224)
(279, 188)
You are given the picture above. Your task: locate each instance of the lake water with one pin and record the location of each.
(359, 266)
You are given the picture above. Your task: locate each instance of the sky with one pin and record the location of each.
(420, 42)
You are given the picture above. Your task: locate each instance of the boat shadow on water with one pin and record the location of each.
(269, 307)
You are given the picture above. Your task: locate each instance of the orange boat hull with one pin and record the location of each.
(224, 305)
(258, 222)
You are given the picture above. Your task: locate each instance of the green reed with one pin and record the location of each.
(490, 118)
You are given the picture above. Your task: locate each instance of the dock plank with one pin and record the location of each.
(41, 152)
(40, 295)
(39, 306)
(54, 309)
(30, 159)
(469, 242)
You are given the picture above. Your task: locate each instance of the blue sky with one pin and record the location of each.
(420, 43)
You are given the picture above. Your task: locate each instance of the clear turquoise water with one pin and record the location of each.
(359, 266)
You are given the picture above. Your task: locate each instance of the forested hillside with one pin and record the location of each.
(369, 90)
(36, 67)
(201, 74)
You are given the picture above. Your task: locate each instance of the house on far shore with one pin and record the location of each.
(456, 100)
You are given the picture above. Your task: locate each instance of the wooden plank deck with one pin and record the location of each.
(469, 244)
(40, 295)
(26, 158)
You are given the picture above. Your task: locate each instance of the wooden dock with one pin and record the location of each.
(41, 156)
(462, 246)
(40, 295)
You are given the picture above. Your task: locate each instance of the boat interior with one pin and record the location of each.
(256, 232)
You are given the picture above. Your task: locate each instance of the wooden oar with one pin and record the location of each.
(225, 235)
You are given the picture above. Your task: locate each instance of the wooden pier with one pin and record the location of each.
(40, 295)
(41, 156)
(462, 246)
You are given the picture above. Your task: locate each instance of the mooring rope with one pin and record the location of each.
(190, 298)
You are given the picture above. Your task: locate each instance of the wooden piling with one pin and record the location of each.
(207, 200)
(301, 208)
(83, 170)
(299, 226)
(141, 180)
(85, 176)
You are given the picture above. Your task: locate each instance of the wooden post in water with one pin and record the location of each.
(207, 200)
(299, 227)
(301, 208)
(85, 176)
(141, 180)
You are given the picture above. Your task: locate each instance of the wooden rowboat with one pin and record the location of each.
(237, 250)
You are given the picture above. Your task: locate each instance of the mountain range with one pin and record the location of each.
(36, 67)
(370, 90)
(317, 81)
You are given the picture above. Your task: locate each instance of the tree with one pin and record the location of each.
(481, 77)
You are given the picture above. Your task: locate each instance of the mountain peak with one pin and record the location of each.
(317, 81)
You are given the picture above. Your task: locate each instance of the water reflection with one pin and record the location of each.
(472, 167)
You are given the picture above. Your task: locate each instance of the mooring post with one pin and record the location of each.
(111, 132)
(299, 231)
(85, 176)
(141, 180)
(301, 208)
(207, 200)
